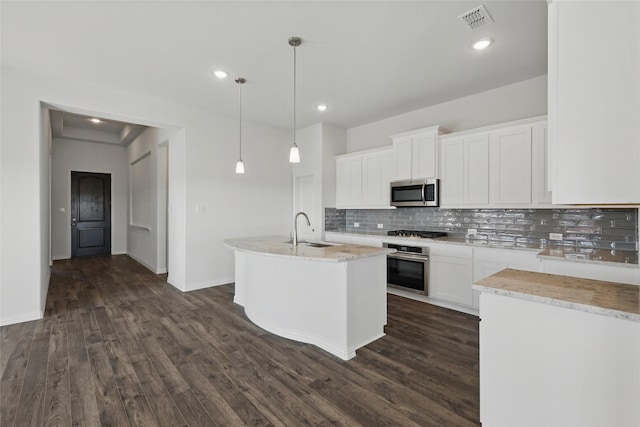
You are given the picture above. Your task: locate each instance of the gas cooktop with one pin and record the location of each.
(417, 233)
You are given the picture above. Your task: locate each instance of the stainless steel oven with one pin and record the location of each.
(408, 268)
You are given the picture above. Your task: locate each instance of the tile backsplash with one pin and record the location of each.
(581, 228)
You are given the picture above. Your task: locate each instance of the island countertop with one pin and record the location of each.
(279, 246)
(593, 296)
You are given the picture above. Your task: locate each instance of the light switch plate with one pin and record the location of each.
(555, 236)
(472, 231)
(380, 225)
(356, 224)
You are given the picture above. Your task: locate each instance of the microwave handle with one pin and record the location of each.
(424, 194)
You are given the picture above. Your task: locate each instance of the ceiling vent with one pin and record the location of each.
(476, 18)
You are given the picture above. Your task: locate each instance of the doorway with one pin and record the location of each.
(90, 214)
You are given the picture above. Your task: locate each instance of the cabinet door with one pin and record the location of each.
(349, 181)
(539, 165)
(450, 279)
(425, 155)
(476, 169)
(386, 175)
(594, 96)
(403, 155)
(371, 194)
(452, 185)
(510, 162)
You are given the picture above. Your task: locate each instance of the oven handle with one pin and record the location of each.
(407, 257)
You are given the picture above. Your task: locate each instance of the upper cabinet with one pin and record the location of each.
(465, 170)
(496, 166)
(416, 153)
(362, 179)
(510, 165)
(594, 101)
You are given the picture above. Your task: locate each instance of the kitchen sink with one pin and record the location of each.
(315, 245)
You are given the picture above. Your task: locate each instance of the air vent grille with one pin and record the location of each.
(476, 18)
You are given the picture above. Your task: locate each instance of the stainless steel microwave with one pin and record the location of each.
(415, 192)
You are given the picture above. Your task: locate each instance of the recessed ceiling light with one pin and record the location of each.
(322, 107)
(482, 44)
(94, 120)
(220, 74)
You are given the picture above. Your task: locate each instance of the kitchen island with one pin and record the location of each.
(558, 350)
(332, 296)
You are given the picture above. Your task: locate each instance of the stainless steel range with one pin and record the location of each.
(408, 268)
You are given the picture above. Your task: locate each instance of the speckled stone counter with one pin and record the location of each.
(593, 256)
(593, 296)
(279, 246)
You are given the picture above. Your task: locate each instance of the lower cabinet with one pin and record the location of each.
(543, 365)
(488, 261)
(450, 274)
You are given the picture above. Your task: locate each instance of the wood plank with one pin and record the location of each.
(57, 407)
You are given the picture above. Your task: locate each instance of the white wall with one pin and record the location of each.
(516, 101)
(147, 245)
(202, 156)
(71, 155)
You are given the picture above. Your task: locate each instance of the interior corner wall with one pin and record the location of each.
(147, 244)
(83, 156)
(45, 201)
(520, 100)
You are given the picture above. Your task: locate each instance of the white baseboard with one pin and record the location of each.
(208, 284)
(424, 298)
(139, 261)
(28, 317)
(60, 257)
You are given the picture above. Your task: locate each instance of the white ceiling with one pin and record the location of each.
(81, 128)
(366, 60)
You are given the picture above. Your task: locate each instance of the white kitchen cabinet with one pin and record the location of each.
(488, 261)
(450, 273)
(377, 172)
(348, 181)
(465, 170)
(594, 101)
(540, 183)
(416, 153)
(362, 179)
(543, 365)
(510, 166)
(499, 166)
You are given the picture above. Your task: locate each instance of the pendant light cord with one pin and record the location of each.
(294, 95)
(240, 119)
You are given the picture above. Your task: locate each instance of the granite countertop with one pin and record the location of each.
(592, 256)
(592, 296)
(279, 246)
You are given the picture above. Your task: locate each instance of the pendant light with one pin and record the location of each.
(294, 154)
(240, 163)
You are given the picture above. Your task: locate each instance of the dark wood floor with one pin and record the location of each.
(118, 346)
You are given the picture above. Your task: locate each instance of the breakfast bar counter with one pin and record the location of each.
(332, 296)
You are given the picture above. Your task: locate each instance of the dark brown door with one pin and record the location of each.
(90, 213)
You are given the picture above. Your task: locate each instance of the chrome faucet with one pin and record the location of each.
(295, 226)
